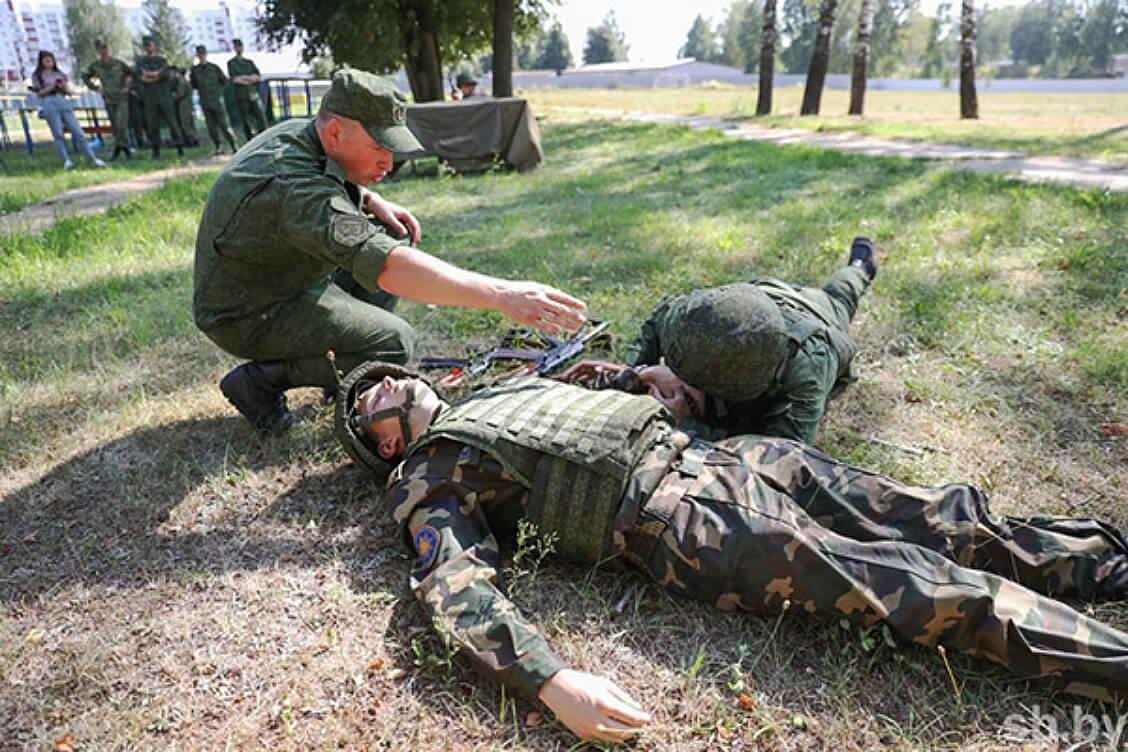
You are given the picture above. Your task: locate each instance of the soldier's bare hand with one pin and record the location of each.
(591, 371)
(541, 306)
(402, 222)
(593, 707)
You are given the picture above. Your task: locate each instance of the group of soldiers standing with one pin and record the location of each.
(141, 97)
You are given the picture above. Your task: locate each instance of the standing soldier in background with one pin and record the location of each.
(138, 129)
(182, 102)
(245, 76)
(208, 80)
(152, 70)
(111, 77)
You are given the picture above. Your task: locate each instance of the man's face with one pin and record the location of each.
(392, 393)
(349, 145)
(202, 57)
(467, 89)
(238, 50)
(104, 52)
(150, 48)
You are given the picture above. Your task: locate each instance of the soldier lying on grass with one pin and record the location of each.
(760, 357)
(750, 522)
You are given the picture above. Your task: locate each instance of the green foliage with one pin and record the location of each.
(605, 43)
(701, 41)
(87, 22)
(532, 549)
(167, 25)
(555, 53)
(441, 661)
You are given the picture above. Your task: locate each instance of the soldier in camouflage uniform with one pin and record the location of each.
(152, 71)
(111, 78)
(761, 357)
(209, 81)
(182, 101)
(245, 76)
(751, 522)
(287, 212)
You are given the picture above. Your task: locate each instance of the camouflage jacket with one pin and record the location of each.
(454, 503)
(208, 79)
(241, 66)
(278, 220)
(111, 76)
(153, 90)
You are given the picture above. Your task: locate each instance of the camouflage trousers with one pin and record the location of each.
(216, 119)
(186, 119)
(752, 522)
(158, 108)
(118, 112)
(356, 326)
(250, 112)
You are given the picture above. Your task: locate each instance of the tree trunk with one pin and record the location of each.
(503, 48)
(861, 57)
(969, 103)
(820, 60)
(767, 59)
(422, 60)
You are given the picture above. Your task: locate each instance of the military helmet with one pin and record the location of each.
(348, 422)
(729, 341)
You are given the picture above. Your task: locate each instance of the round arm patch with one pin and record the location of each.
(351, 229)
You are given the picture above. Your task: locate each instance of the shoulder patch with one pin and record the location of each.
(351, 229)
(427, 545)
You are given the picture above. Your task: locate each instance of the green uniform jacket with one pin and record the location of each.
(278, 220)
(180, 89)
(157, 89)
(241, 66)
(208, 79)
(110, 76)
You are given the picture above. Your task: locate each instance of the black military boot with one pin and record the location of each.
(861, 254)
(257, 390)
(156, 152)
(117, 151)
(180, 150)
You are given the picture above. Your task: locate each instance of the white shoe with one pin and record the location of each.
(98, 162)
(68, 165)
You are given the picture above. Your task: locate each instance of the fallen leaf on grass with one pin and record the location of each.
(35, 637)
(396, 673)
(724, 731)
(1114, 429)
(746, 701)
(534, 719)
(66, 744)
(376, 665)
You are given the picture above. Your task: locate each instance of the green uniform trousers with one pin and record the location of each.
(755, 522)
(187, 119)
(250, 112)
(300, 331)
(159, 108)
(216, 119)
(118, 112)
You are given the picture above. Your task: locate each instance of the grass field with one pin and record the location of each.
(171, 581)
(1076, 125)
(27, 179)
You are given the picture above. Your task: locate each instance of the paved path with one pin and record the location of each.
(1083, 173)
(93, 199)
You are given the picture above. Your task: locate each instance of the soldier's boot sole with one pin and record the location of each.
(861, 254)
(257, 391)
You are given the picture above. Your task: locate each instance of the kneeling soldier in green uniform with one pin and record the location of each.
(111, 77)
(286, 213)
(750, 522)
(208, 80)
(761, 357)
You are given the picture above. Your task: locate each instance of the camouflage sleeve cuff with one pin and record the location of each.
(531, 672)
(369, 260)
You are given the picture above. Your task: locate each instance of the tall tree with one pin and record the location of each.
(936, 52)
(382, 35)
(735, 48)
(527, 48)
(816, 72)
(503, 48)
(969, 103)
(555, 54)
(167, 25)
(701, 41)
(767, 59)
(797, 29)
(1100, 32)
(861, 57)
(605, 43)
(87, 21)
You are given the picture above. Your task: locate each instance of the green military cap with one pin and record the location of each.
(201, 48)
(100, 43)
(465, 78)
(148, 39)
(236, 42)
(376, 104)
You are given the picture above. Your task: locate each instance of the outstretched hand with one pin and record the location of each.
(593, 707)
(541, 306)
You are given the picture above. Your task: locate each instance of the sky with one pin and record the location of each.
(656, 29)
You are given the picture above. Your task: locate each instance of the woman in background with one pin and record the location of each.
(50, 85)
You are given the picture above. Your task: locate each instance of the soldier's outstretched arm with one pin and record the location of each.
(593, 707)
(413, 274)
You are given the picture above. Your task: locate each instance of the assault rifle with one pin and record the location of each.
(542, 360)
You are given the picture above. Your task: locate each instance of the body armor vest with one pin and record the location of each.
(572, 448)
(807, 316)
